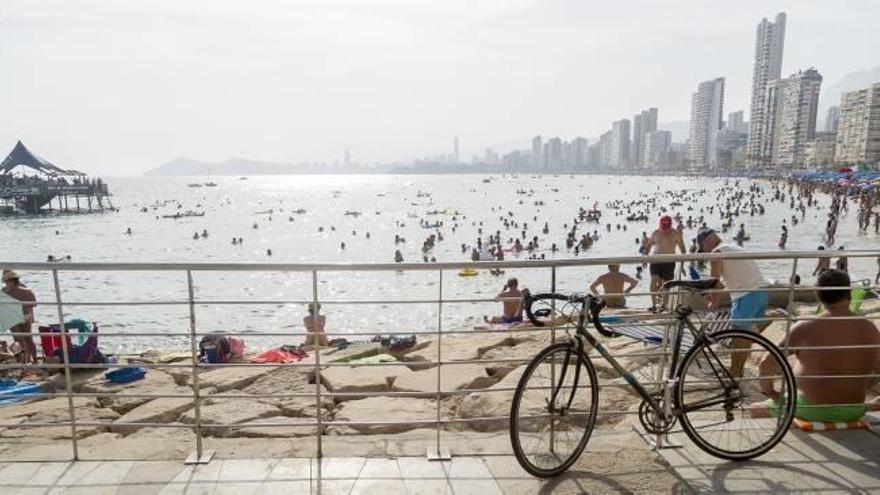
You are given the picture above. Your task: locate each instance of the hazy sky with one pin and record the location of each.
(116, 86)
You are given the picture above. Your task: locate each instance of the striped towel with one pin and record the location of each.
(651, 334)
(715, 321)
(866, 421)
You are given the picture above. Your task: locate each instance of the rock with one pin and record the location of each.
(63, 431)
(162, 410)
(386, 409)
(234, 377)
(291, 428)
(458, 347)
(155, 382)
(286, 381)
(453, 377)
(217, 411)
(492, 403)
(25, 409)
(356, 379)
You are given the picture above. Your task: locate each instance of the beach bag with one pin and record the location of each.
(125, 375)
(214, 349)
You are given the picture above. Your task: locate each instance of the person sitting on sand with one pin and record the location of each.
(511, 301)
(315, 328)
(842, 398)
(612, 286)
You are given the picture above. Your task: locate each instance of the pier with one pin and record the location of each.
(50, 188)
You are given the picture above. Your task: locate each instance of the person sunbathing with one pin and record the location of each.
(842, 399)
(315, 327)
(511, 302)
(612, 284)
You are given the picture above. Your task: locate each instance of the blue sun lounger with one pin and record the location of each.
(653, 334)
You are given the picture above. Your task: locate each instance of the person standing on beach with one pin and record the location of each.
(745, 283)
(664, 240)
(822, 264)
(21, 333)
(612, 284)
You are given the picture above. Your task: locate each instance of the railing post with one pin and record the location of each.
(199, 456)
(316, 314)
(68, 382)
(788, 317)
(438, 453)
(552, 341)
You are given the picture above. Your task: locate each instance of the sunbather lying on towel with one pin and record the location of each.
(841, 398)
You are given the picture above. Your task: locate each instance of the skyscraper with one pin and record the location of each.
(735, 120)
(643, 124)
(555, 159)
(656, 148)
(707, 107)
(769, 43)
(858, 134)
(455, 150)
(832, 119)
(795, 121)
(537, 147)
(578, 153)
(620, 144)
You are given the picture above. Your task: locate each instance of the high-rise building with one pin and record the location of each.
(819, 153)
(594, 157)
(605, 148)
(555, 152)
(858, 134)
(656, 148)
(832, 119)
(794, 124)
(707, 108)
(579, 153)
(769, 44)
(537, 148)
(736, 121)
(730, 145)
(346, 158)
(620, 144)
(455, 150)
(643, 124)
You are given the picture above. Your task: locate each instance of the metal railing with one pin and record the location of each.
(437, 450)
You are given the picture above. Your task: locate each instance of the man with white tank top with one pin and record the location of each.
(746, 284)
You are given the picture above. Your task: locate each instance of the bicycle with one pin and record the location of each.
(560, 385)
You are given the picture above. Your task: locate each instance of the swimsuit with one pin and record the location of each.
(666, 271)
(512, 319)
(824, 413)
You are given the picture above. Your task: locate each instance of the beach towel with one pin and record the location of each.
(375, 359)
(867, 421)
(282, 355)
(10, 314)
(125, 375)
(14, 390)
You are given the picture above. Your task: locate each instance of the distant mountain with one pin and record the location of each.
(831, 93)
(243, 166)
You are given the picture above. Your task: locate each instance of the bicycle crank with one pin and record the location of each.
(652, 422)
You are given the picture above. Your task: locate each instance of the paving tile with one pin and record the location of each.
(427, 487)
(520, 486)
(48, 474)
(380, 469)
(108, 473)
(475, 487)
(76, 471)
(285, 487)
(153, 472)
(237, 487)
(25, 490)
(420, 468)
(339, 468)
(466, 467)
(291, 470)
(373, 486)
(140, 488)
(245, 469)
(19, 473)
(333, 487)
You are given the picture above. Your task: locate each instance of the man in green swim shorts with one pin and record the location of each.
(828, 399)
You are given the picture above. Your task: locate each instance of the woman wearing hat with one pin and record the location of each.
(21, 333)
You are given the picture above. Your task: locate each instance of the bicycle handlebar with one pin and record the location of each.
(593, 304)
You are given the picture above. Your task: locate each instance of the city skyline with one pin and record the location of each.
(392, 81)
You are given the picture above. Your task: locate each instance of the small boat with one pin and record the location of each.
(353, 213)
(194, 185)
(210, 184)
(264, 212)
(185, 214)
(242, 178)
(468, 272)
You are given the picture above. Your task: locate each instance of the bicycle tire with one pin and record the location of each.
(584, 370)
(785, 410)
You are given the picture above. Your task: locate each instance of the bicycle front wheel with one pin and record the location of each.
(725, 415)
(553, 410)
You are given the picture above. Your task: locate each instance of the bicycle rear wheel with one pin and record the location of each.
(722, 413)
(553, 410)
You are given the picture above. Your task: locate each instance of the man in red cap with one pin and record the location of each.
(664, 240)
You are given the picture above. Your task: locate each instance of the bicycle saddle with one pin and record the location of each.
(703, 284)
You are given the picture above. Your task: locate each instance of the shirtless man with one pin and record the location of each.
(849, 392)
(822, 264)
(511, 301)
(612, 286)
(21, 333)
(664, 240)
